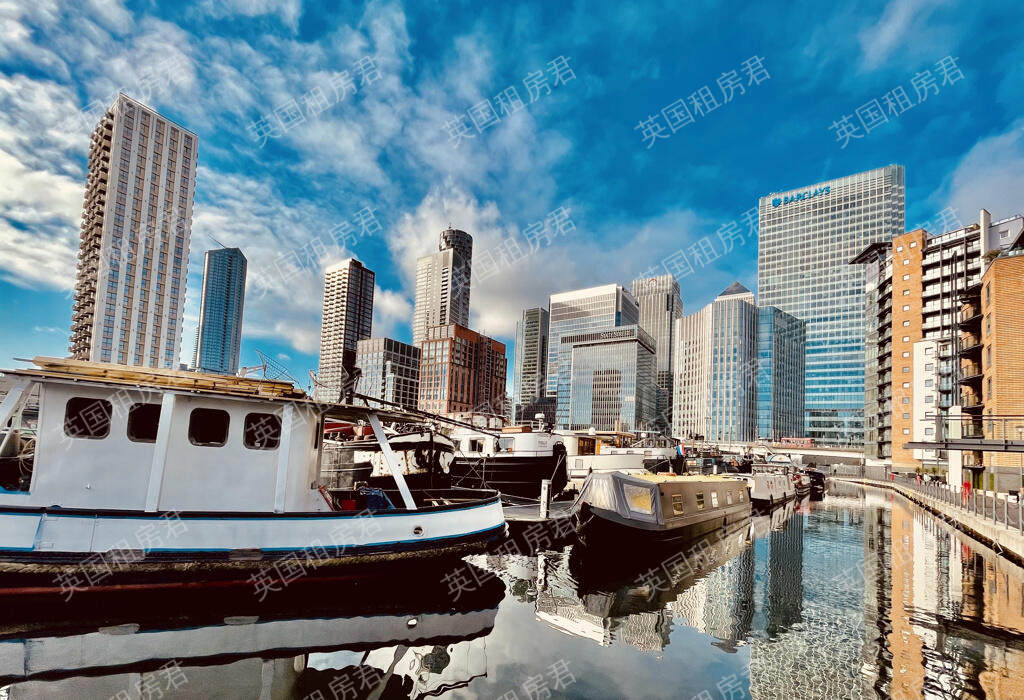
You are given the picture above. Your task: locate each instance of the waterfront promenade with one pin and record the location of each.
(993, 518)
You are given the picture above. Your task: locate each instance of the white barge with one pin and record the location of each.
(769, 489)
(145, 472)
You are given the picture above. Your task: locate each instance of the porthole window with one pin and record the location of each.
(262, 431)
(143, 421)
(87, 418)
(208, 427)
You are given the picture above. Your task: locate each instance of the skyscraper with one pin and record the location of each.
(660, 306)
(133, 258)
(780, 374)
(219, 335)
(347, 319)
(442, 284)
(806, 238)
(716, 369)
(531, 356)
(461, 371)
(389, 370)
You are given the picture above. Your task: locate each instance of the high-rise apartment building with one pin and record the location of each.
(781, 351)
(219, 335)
(611, 383)
(806, 238)
(389, 370)
(915, 287)
(660, 306)
(461, 371)
(593, 308)
(347, 319)
(136, 225)
(442, 284)
(716, 370)
(531, 356)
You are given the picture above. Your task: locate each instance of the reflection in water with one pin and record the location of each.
(862, 594)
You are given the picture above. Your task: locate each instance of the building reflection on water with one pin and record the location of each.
(860, 595)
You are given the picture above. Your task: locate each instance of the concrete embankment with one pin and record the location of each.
(1007, 541)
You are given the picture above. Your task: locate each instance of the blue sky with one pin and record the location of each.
(219, 67)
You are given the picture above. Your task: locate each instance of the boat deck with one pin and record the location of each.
(530, 513)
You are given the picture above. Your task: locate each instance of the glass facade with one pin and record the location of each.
(780, 374)
(390, 370)
(660, 306)
(442, 284)
(531, 355)
(806, 239)
(219, 336)
(611, 381)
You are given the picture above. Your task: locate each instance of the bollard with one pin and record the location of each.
(545, 497)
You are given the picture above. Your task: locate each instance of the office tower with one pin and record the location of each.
(442, 284)
(461, 371)
(780, 374)
(806, 238)
(389, 370)
(611, 383)
(915, 286)
(581, 310)
(137, 220)
(660, 306)
(716, 370)
(219, 335)
(347, 319)
(531, 355)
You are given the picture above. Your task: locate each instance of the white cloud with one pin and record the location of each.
(289, 11)
(901, 21)
(390, 309)
(989, 177)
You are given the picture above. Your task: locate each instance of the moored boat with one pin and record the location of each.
(768, 489)
(513, 461)
(654, 509)
(138, 475)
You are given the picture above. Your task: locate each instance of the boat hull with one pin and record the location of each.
(606, 527)
(511, 475)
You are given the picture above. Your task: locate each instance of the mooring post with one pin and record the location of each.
(545, 497)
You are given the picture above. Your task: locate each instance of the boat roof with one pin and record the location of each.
(64, 370)
(666, 478)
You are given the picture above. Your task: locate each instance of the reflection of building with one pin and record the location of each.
(389, 370)
(716, 369)
(531, 356)
(806, 237)
(442, 284)
(136, 223)
(219, 335)
(660, 306)
(610, 384)
(347, 319)
(461, 371)
(780, 374)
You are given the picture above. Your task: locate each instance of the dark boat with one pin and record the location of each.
(513, 461)
(657, 509)
(817, 483)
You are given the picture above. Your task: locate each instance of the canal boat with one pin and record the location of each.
(142, 474)
(657, 509)
(817, 483)
(769, 489)
(513, 461)
(801, 484)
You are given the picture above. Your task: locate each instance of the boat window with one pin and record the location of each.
(505, 444)
(586, 446)
(262, 431)
(143, 421)
(677, 504)
(728, 497)
(87, 418)
(476, 445)
(208, 427)
(714, 499)
(700, 500)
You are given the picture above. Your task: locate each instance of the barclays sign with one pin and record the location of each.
(799, 196)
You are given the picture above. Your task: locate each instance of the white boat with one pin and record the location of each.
(513, 461)
(768, 489)
(147, 471)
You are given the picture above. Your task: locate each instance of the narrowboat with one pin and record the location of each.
(513, 461)
(769, 489)
(138, 472)
(639, 509)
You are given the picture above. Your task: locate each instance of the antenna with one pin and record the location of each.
(274, 370)
(221, 245)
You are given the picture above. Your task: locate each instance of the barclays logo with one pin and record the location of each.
(799, 196)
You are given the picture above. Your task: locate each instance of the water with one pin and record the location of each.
(860, 595)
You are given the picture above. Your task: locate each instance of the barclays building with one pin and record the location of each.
(806, 238)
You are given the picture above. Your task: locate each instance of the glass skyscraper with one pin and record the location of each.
(611, 380)
(780, 374)
(389, 370)
(531, 355)
(219, 336)
(660, 306)
(806, 239)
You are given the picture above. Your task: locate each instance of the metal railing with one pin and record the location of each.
(1008, 427)
(1001, 508)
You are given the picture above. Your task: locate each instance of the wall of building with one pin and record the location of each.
(907, 256)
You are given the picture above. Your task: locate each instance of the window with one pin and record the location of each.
(700, 500)
(906, 399)
(476, 445)
(728, 497)
(906, 431)
(913, 244)
(929, 366)
(899, 249)
(929, 351)
(929, 399)
(929, 431)
(677, 504)
(906, 385)
(906, 292)
(906, 339)
(714, 499)
(906, 277)
(906, 370)
(208, 427)
(143, 421)
(906, 323)
(87, 418)
(262, 431)
(906, 353)
(906, 416)
(906, 307)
